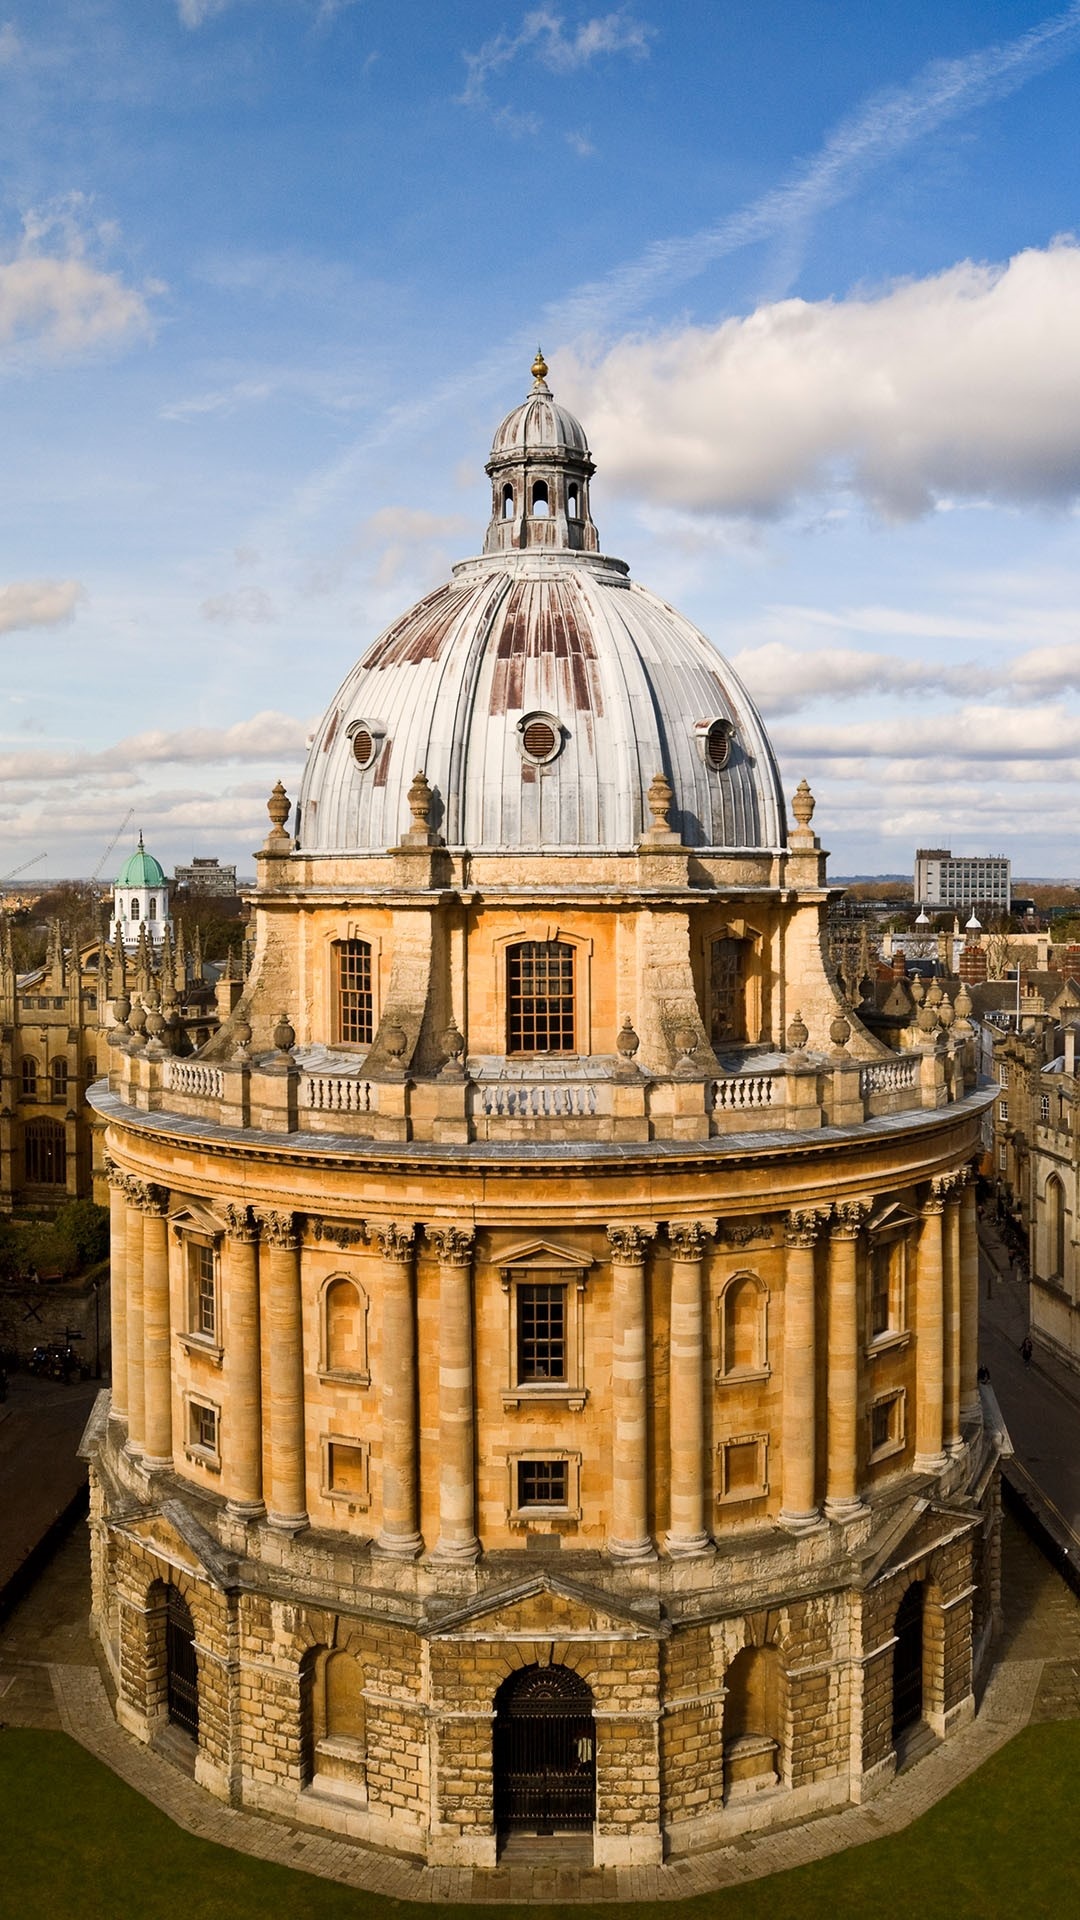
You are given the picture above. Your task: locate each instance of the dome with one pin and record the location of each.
(541, 690)
(140, 869)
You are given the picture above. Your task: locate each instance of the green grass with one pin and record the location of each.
(75, 1842)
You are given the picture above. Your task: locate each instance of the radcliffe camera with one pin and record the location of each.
(539, 960)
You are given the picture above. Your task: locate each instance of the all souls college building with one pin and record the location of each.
(545, 1372)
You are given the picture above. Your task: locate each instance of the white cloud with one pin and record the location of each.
(54, 297)
(408, 542)
(991, 733)
(966, 383)
(38, 603)
(251, 604)
(542, 34)
(783, 679)
(267, 736)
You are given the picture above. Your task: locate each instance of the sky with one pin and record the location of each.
(272, 271)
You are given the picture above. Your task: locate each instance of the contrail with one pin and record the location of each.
(885, 125)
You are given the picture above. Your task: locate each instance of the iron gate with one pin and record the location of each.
(908, 1661)
(544, 1752)
(181, 1673)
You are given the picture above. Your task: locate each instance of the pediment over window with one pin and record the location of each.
(544, 1253)
(892, 1218)
(193, 1218)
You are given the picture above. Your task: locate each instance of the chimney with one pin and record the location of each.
(1070, 1048)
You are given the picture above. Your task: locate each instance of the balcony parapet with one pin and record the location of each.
(315, 1090)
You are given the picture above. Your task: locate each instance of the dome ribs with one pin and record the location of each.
(545, 621)
(413, 642)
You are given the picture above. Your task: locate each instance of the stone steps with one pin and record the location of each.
(546, 1850)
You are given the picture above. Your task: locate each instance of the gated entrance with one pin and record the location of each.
(545, 1752)
(181, 1673)
(908, 1661)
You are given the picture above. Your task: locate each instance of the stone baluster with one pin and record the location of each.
(133, 1268)
(929, 1340)
(951, 1436)
(969, 1301)
(287, 1506)
(117, 1290)
(157, 1329)
(629, 1536)
(688, 1532)
(400, 1531)
(800, 1509)
(242, 1449)
(457, 1540)
(842, 1501)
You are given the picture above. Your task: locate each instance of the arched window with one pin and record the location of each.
(908, 1660)
(508, 502)
(45, 1153)
(134, 910)
(332, 1719)
(29, 1077)
(1055, 1227)
(540, 499)
(751, 1720)
(743, 1327)
(353, 1000)
(345, 1329)
(540, 997)
(571, 503)
(152, 915)
(59, 1072)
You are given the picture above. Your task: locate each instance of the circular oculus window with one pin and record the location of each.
(366, 741)
(718, 745)
(541, 737)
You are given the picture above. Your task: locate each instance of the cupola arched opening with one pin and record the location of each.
(541, 506)
(508, 502)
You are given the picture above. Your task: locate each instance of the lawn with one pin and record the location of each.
(79, 1845)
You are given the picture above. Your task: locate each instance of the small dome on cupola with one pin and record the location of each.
(140, 899)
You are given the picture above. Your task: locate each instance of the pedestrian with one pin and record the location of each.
(983, 1375)
(1026, 1350)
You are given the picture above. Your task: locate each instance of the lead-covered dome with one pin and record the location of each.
(541, 690)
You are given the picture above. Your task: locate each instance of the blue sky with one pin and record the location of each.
(271, 271)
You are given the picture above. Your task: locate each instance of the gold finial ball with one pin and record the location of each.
(539, 367)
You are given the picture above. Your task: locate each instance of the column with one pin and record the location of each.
(400, 1533)
(133, 1262)
(457, 1471)
(799, 1418)
(969, 1300)
(242, 1437)
(287, 1507)
(628, 1538)
(951, 1437)
(688, 1532)
(842, 1500)
(157, 1329)
(929, 1341)
(117, 1290)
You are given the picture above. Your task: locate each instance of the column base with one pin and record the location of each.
(801, 1522)
(156, 1462)
(287, 1522)
(848, 1509)
(632, 1549)
(246, 1510)
(929, 1463)
(399, 1546)
(689, 1546)
(455, 1553)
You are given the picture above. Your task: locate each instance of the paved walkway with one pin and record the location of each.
(47, 1666)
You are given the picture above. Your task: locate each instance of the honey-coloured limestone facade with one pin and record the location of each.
(544, 1389)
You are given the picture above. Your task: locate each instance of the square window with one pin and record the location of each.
(541, 1332)
(887, 1425)
(743, 1467)
(347, 1469)
(203, 1427)
(542, 1483)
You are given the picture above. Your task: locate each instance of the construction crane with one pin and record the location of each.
(129, 816)
(35, 862)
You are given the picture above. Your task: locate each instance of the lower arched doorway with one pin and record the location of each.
(181, 1671)
(544, 1753)
(908, 1662)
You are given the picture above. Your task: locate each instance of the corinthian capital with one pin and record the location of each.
(239, 1224)
(687, 1238)
(394, 1242)
(849, 1219)
(278, 1229)
(453, 1245)
(147, 1197)
(629, 1245)
(804, 1224)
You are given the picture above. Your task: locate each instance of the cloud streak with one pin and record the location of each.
(543, 35)
(266, 736)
